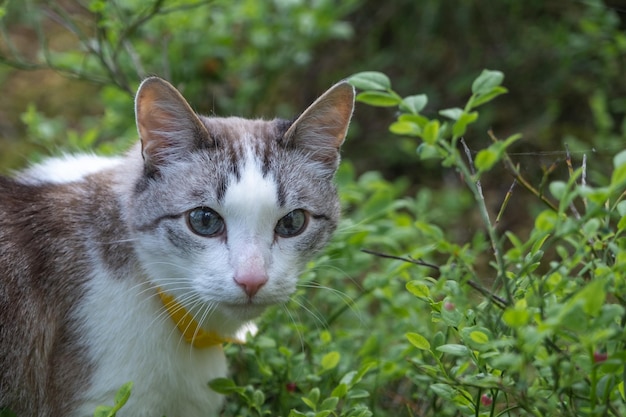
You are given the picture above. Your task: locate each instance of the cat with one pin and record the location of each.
(137, 268)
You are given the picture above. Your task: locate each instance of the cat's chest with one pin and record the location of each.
(131, 338)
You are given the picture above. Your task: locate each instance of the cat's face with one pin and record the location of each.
(228, 210)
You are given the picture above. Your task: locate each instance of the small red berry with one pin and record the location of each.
(291, 386)
(599, 357)
(486, 400)
(449, 306)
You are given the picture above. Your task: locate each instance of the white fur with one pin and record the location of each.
(67, 168)
(130, 338)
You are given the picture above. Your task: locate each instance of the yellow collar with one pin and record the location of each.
(189, 327)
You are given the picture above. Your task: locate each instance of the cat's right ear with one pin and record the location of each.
(167, 125)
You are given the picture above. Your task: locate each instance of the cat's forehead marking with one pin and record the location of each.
(253, 191)
(250, 146)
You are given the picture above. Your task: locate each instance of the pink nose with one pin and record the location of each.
(251, 283)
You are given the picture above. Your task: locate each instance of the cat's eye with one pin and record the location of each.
(205, 222)
(292, 224)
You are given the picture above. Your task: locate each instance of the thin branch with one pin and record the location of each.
(514, 171)
(498, 301)
(570, 170)
(583, 178)
(400, 258)
(505, 203)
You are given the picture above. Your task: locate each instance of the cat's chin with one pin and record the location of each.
(244, 312)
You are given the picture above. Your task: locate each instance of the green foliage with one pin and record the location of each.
(189, 42)
(544, 334)
(490, 324)
(424, 303)
(121, 397)
(238, 51)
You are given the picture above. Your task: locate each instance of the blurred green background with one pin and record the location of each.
(68, 69)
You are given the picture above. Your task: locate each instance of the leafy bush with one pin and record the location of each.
(499, 325)
(424, 303)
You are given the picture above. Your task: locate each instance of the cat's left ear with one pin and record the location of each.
(322, 128)
(167, 125)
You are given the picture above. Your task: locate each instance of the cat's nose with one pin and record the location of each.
(251, 283)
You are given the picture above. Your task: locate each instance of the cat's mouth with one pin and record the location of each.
(245, 311)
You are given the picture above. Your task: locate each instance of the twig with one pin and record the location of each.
(570, 170)
(399, 258)
(477, 190)
(507, 197)
(468, 153)
(514, 171)
(498, 301)
(546, 175)
(583, 178)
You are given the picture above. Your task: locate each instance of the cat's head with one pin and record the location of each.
(228, 211)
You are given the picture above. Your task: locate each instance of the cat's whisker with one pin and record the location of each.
(164, 314)
(286, 309)
(318, 317)
(347, 299)
(115, 242)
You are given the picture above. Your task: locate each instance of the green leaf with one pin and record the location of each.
(621, 225)
(454, 349)
(426, 151)
(515, 317)
(598, 195)
(309, 403)
(418, 341)
(487, 81)
(479, 337)
(443, 390)
(618, 177)
(122, 395)
(460, 127)
(340, 390)
(546, 221)
(104, 411)
(619, 159)
(330, 360)
(454, 113)
(418, 119)
(558, 189)
(378, 98)
(358, 393)
(430, 133)
(481, 99)
(329, 403)
(414, 104)
(485, 159)
(312, 399)
(225, 386)
(592, 296)
(370, 80)
(418, 289)
(405, 128)
(258, 397)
